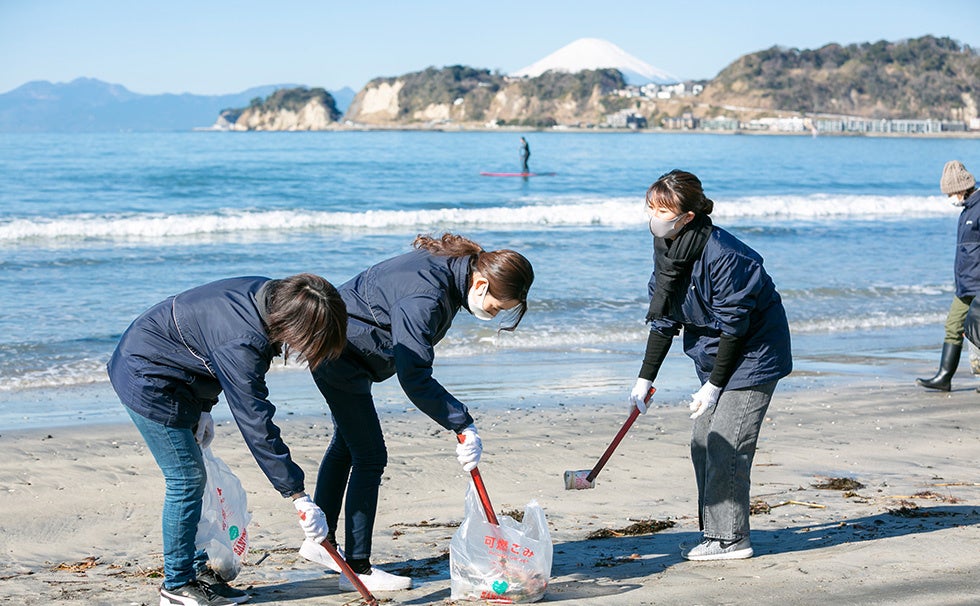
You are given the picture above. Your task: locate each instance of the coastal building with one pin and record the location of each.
(720, 123)
(828, 125)
(625, 118)
(866, 125)
(685, 121)
(783, 125)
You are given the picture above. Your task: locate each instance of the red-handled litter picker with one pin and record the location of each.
(585, 478)
(481, 490)
(346, 569)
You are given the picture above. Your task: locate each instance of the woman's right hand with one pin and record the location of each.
(638, 397)
(468, 451)
(311, 519)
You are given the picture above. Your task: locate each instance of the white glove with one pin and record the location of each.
(204, 432)
(639, 394)
(311, 519)
(469, 450)
(705, 398)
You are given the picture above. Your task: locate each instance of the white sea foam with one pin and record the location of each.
(569, 211)
(819, 206)
(81, 372)
(871, 322)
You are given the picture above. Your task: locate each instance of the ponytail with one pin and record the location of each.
(449, 245)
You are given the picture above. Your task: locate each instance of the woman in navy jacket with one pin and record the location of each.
(714, 287)
(397, 311)
(168, 369)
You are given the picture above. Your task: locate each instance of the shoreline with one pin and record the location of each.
(461, 128)
(492, 380)
(81, 504)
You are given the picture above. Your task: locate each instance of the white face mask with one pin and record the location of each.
(662, 228)
(475, 303)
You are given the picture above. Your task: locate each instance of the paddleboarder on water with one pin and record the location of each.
(525, 151)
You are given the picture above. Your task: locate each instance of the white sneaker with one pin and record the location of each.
(378, 580)
(715, 549)
(315, 552)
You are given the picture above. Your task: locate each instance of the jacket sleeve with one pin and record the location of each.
(736, 281)
(414, 322)
(241, 368)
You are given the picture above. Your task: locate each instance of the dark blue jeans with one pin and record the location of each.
(179, 458)
(356, 457)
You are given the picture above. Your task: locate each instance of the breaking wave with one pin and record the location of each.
(534, 214)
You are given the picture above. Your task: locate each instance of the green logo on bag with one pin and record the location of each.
(233, 532)
(499, 587)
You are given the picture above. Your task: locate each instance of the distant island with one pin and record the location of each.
(285, 109)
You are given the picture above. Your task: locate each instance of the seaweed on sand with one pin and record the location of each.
(639, 527)
(839, 484)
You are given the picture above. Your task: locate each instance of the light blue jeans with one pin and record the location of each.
(179, 458)
(722, 448)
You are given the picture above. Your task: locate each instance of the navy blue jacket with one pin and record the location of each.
(175, 358)
(730, 293)
(967, 265)
(397, 311)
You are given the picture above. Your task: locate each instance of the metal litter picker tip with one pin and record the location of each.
(585, 478)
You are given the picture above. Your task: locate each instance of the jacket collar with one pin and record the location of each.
(460, 267)
(972, 199)
(262, 302)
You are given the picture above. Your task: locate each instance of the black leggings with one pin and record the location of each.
(356, 457)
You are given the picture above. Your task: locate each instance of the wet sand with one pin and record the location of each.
(80, 506)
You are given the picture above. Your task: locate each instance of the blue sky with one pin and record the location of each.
(218, 46)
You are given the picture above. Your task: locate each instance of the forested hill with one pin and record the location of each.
(925, 77)
(464, 94)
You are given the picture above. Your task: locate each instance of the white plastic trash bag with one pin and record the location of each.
(222, 530)
(510, 563)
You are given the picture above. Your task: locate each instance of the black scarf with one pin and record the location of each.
(674, 261)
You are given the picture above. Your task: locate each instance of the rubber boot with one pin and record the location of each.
(947, 366)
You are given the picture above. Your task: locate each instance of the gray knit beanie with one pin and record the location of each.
(955, 178)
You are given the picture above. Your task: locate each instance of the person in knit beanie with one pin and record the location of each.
(959, 184)
(956, 179)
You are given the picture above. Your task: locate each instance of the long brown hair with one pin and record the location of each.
(509, 274)
(306, 313)
(679, 191)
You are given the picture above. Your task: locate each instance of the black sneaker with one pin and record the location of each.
(220, 587)
(192, 594)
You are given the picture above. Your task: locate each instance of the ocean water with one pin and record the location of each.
(94, 228)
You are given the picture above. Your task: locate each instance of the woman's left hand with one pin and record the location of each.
(204, 431)
(705, 398)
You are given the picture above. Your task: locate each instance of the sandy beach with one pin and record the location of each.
(80, 505)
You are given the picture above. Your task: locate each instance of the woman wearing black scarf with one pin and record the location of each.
(713, 286)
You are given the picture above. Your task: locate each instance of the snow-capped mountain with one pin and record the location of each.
(593, 53)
